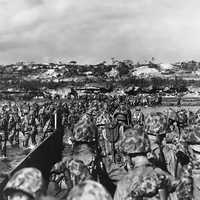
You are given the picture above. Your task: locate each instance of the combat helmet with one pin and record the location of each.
(156, 124)
(89, 190)
(135, 141)
(182, 117)
(28, 181)
(84, 131)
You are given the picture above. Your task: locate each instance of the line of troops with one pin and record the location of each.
(119, 153)
(26, 124)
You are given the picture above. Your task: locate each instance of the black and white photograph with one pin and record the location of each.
(99, 100)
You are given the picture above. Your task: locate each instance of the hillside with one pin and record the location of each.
(47, 76)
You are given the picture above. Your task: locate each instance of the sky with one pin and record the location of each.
(91, 31)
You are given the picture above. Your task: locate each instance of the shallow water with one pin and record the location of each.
(14, 156)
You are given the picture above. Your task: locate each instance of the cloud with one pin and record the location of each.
(91, 31)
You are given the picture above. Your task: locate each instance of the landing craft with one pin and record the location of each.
(43, 157)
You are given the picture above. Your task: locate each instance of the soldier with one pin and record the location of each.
(159, 98)
(25, 184)
(102, 121)
(156, 127)
(41, 115)
(191, 117)
(94, 109)
(123, 115)
(65, 175)
(171, 140)
(65, 114)
(86, 133)
(197, 117)
(30, 129)
(79, 166)
(4, 128)
(113, 134)
(35, 108)
(49, 126)
(143, 180)
(89, 190)
(73, 118)
(191, 136)
(182, 118)
(179, 97)
(14, 127)
(185, 189)
(172, 117)
(137, 117)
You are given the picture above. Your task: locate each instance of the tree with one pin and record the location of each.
(123, 68)
(72, 62)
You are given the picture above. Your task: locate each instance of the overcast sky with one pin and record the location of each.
(90, 31)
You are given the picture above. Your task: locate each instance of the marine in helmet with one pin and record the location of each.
(191, 137)
(65, 175)
(102, 121)
(14, 126)
(122, 114)
(4, 128)
(82, 143)
(25, 184)
(143, 180)
(182, 118)
(30, 129)
(137, 117)
(86, 133)
(156, 128)
(78, 166)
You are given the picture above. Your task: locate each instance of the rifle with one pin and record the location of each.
(98, 169)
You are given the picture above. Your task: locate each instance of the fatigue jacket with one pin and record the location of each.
(143, 183)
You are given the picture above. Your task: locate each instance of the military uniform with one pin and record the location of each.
(4, 135)
(102, 121)
(137, 117)
(169, 149)
(143, 181)
(155, 127)
(182, 118)
(65, 175)
(14, 128)
(30, 130)
(191, 136)
(75, 168)
(122, 115)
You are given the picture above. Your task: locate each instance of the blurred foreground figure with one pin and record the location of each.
(25, 184)
(89, 190)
